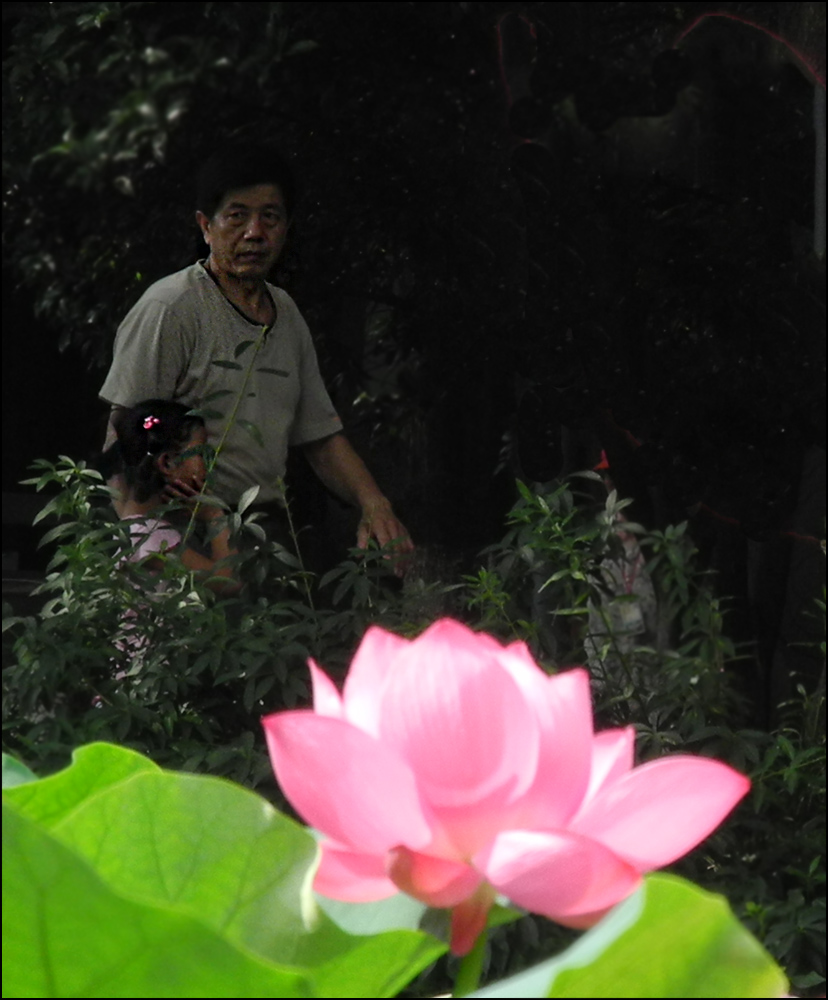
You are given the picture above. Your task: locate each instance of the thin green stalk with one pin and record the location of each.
(471, 968)
(256, 348)
(621, 657)
(233, 414)
(294, 535)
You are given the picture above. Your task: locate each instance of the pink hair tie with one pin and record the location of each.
(151, 422)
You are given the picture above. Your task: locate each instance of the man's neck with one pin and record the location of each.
(250, 296)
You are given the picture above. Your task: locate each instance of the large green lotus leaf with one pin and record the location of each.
(401, 911)
(15, 773)
(202, 846)
(377, 966)
(671, 939)
(94, 767)
(217, 852)
(67, 934)
(395, 913)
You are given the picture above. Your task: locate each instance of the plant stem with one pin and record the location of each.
(471, 967)
(294, 535)
(239, 397)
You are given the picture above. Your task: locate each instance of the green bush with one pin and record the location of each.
(554, 581)
(571, 577)
(189, 693)
(207, 667)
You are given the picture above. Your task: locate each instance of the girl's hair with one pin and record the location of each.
(144, 432)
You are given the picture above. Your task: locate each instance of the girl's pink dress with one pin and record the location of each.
(149, 537)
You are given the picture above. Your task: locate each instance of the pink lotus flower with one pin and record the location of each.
(454, 768)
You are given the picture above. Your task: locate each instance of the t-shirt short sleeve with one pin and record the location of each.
(315, 417)
(149, 357)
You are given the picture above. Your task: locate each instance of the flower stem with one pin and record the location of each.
(471, 967)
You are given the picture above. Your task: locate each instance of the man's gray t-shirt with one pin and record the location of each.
(167, 348)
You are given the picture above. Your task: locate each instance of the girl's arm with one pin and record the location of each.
(220, 550)
(218, 578)
(208, 568)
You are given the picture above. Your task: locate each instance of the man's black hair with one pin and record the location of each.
(242, 165)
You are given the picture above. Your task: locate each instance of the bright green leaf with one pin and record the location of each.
(94, 768)
(203, 847)
(376, 966)
(670, 939)
(67, 934)
(214, 852)
(396, 913)
(15, 773)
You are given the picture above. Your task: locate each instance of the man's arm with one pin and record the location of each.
(343, 471)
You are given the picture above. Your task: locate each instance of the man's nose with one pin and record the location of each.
(255, 228)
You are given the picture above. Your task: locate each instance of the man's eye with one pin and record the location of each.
(273, 218)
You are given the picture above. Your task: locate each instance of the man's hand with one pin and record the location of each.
(343, 471)
(380, 522)
(192, 496)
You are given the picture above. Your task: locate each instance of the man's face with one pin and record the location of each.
(247, 233)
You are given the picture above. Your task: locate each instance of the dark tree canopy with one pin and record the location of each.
(523, 228)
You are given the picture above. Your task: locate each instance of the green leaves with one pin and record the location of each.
(671, 939)
(67, 933)
(15, 773)
(191, 886)
(247, 498)
(94, 769)
(123, 880)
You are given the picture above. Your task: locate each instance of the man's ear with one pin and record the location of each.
(204, 226)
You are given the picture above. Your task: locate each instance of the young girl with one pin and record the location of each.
(159, 452)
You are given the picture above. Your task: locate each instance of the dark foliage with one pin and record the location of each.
(644, 256)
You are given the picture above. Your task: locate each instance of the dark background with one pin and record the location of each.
(528, 232)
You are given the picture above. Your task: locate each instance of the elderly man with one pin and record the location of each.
(217, 335)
